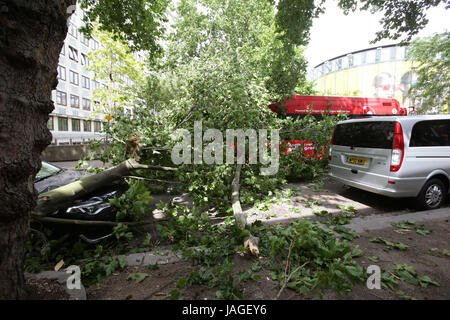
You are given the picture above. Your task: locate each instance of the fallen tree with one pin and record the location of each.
(51, 201)
(89, 223)
(55, 199)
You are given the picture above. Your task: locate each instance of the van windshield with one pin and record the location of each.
(367, 134)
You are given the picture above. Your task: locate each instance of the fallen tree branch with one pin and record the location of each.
(289, 278)
(288, 259)
(241, 217)
(56, 199)
(155, 148)
(188, 116)
(153, 180)
(89, 222)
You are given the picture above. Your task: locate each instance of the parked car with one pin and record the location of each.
(94, 207)
(407, 156)
(51, 177)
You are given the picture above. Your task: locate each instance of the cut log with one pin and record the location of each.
(252, 243)
(56, 199)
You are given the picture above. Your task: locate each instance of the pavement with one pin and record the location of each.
(376, 222)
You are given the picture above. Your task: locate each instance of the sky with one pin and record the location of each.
(334, 34)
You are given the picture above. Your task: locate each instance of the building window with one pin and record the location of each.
(74, 101)
(73, 54)
(85, 82)
(363, 57)
(95, 84)
(87, 125)
(61, 98)
(97, 126)
(73, 77)
(328, 66)
(86, 104)
(61, 73)
(84, 40)
(386, 54)
(94, 44)
(50, 124)
(76, 125)
(63, 124)
(393, 53)
(63, 50)
(350, 60)
(406, 52)
(96, 106)
(339, 64)
(73, 31)
(378, 55)
(84, 60)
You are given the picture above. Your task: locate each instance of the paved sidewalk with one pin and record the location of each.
(381, 221)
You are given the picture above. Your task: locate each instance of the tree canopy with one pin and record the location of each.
(120, 73)
(140, 23)
(432, 64)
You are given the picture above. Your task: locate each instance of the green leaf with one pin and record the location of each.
(357, 252)
(137, 276)
(403, 295)
(426, 280)
(175, 295)
(422, 231)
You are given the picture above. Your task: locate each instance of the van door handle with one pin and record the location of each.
(354, 171)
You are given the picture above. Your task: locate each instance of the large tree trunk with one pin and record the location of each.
(31, 36)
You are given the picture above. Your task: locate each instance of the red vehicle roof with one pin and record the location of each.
(335, 105)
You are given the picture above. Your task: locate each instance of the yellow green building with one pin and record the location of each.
(382, 72)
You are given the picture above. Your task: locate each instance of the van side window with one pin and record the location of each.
(430, 133)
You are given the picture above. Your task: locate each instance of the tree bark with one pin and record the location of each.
(31, 37)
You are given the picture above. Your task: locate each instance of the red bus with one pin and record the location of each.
(319, 105)
(353, 106)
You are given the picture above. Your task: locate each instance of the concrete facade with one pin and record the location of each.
(73, 120)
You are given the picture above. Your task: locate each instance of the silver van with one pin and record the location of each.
(400, 156)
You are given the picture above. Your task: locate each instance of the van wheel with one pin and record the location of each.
(432, 195)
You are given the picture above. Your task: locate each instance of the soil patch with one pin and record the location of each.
(45, 289)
